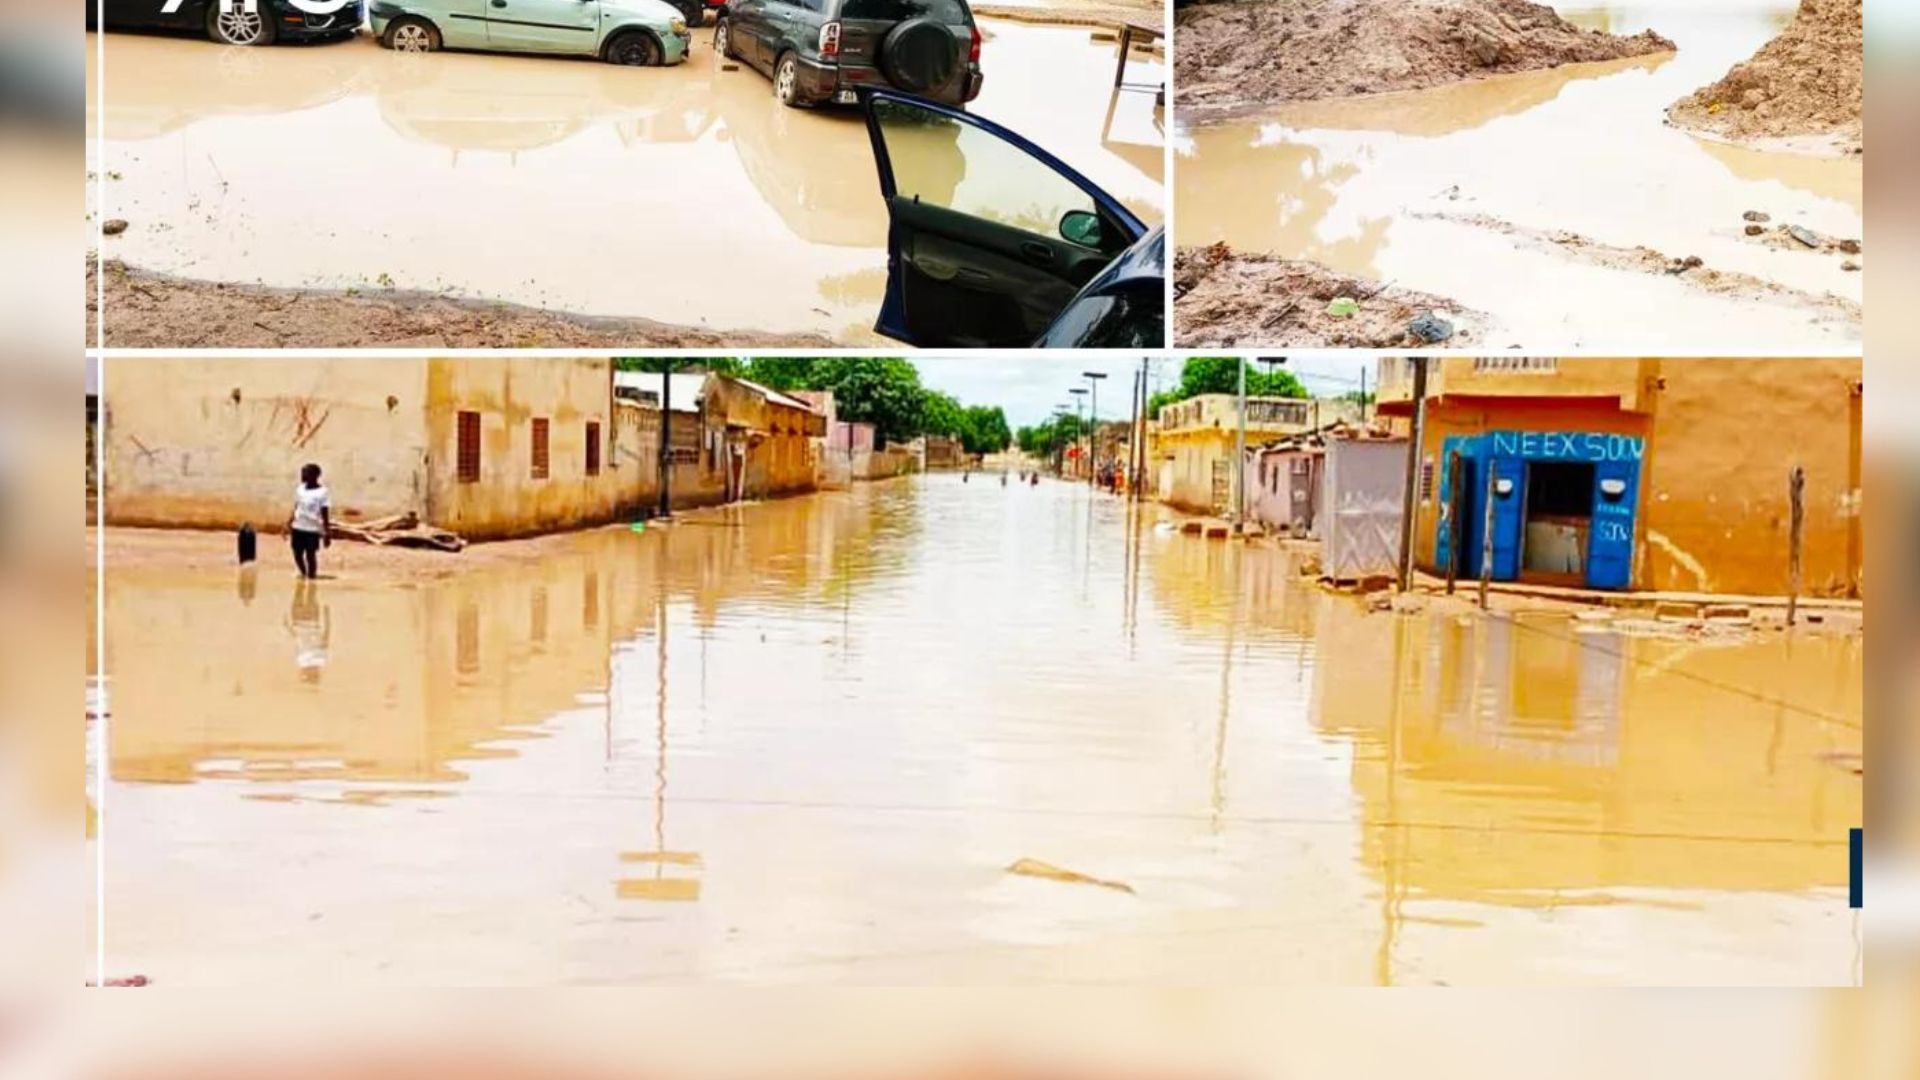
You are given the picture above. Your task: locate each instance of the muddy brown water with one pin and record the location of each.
(682, 194)
(828, 738)
(1580, 148)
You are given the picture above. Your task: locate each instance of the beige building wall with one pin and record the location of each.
(509, 394)
(205, 443)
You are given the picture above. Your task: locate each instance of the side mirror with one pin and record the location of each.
(1081, 227)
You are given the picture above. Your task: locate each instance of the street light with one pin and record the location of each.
(1093, 379)
(1079, 419)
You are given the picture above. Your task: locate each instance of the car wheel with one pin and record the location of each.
(694, 11)
(239, 26)
(634, 49)
(786, 80)
(723, 39)
(410, 34)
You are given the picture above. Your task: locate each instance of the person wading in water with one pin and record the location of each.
(311, 526)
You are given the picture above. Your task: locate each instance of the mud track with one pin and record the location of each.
(152, 310)
(1803, 87)
(1240, 53)
(1224, 297)
(1689, 271)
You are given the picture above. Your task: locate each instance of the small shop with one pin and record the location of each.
(1564, 505)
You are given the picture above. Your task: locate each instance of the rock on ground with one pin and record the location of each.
(1805, 82)
(1258, 52)
(1224, 297)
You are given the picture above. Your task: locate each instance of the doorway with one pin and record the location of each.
(1559, 519)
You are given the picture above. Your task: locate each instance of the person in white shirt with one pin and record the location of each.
(311, 526)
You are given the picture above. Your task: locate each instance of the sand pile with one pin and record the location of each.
(1804, 83)
(1223, 297)
(1260, 52)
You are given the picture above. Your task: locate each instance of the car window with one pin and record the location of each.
(946, 11)
(940, 160)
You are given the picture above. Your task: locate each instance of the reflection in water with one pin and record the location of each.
(810, 736)
(1583, 148)
(500, 176)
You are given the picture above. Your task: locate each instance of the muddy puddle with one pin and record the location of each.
(686, 194)
(928, 731)
(1448, 191)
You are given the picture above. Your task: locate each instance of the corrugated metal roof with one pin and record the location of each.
(774, 396)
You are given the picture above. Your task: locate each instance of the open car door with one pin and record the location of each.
(988, 235)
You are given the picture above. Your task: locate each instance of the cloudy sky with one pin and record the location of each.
(1030, 387)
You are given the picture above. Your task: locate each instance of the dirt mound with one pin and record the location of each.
(1224, 297)
(149, 310)
(1805, 82)
(1247, 52)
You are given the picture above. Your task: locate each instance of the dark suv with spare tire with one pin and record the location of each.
(819, 51)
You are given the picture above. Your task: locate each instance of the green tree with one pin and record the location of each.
(884, 392)
(984, 429)
(1221, 375)
(782, 372)
(944, 415)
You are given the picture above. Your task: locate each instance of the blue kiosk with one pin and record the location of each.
(1583, 486)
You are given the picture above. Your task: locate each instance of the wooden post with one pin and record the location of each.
(1486, 539)
(666, 439)
(1451, 508)
(1410, 499)
(1126, 46)
(1796, 490)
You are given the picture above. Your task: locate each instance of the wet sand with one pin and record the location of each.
(685, 195)
(1398, 188)
(157, 311)
(810, 740)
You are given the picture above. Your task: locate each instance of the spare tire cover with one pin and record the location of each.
(919, 55)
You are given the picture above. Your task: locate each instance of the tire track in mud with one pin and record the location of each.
(1690, 271)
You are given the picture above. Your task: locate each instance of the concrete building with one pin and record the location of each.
(1283, 485)
(944, 452)
(1192, 444)
(850, 450)
(484, 447)
(1639, 473)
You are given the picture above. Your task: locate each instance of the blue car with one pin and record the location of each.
(994, 243)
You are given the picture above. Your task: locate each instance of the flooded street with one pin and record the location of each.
(685, 194)
(1467, 190)
(942, 732)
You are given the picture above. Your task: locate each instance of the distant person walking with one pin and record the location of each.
(311, 526)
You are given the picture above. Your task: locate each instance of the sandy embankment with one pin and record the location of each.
(1802, 90)
(158, 311)
(1239, 55)
(202, 550)
(1245, 53)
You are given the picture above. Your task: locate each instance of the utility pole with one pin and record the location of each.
(1093, 443)
(1139, 456)
(1410, 500)
(1363, 395)
(1239, 501)
(666, 439)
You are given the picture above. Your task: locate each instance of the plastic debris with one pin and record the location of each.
(1429, 327)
